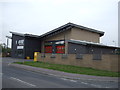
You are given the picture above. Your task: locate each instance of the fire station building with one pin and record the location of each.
(67, 39)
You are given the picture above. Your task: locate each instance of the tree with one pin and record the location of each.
(5, 50)
(0, 50)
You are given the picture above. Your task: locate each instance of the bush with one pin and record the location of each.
(6, 52)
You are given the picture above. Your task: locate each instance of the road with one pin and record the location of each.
(13, 77)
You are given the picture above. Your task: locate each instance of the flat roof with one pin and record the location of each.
(90, 43)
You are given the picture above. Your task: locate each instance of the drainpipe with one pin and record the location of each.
(65, 44)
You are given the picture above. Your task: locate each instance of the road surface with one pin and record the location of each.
(13, 77)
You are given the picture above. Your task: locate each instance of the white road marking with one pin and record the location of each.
(91, 84)
(84, 83)
(52, 74)
(98, 86)
(9, 63)
(64, 79)
(68, 80)
(23, 81)
(107, 87)
(73, 81)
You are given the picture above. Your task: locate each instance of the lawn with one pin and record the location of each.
(72, 69)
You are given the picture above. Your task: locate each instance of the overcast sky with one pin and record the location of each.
(40, 16)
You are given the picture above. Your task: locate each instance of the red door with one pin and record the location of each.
(48, 49)
(60, 49)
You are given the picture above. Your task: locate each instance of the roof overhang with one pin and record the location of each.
(90, 43)
(69, 26)
(24, 35)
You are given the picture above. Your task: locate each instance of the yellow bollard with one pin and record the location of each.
(27, 57)
(35, 56)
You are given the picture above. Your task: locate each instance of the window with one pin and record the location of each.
(60, 42)
(97, 57)
(20, 42)
(55, 46)
(48, 43)
(79, 56)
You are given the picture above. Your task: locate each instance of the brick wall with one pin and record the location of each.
(107, 62)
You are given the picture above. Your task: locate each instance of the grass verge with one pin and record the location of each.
(71, 69)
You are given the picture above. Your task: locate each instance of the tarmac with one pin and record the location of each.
(65, 74)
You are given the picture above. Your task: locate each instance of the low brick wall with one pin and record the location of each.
(107, 62)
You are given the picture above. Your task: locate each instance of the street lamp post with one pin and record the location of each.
(8, 37)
